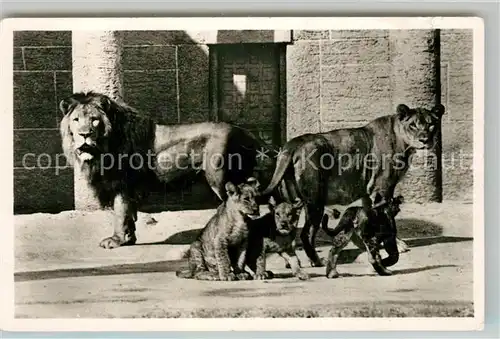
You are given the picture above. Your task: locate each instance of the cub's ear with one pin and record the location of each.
(272, 202)
(438, 110)
(253, 182)
(403, 111)
(298, 203)
(231, 189)
(64, 106)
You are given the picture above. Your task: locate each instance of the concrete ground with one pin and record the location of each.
(61, 272)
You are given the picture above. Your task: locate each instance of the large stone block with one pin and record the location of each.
(42, 38)
(303, 88)
(460, 91)
(193, 83)
(359, 33)
(351, 51)
(45, 58)
(18, 59)
(310, 35)
(149, 58)
(40, 190)
(355, 92)
(38, 148)
(152, 93)
(457, 135)
(166, 37)
(34, 100)
(456, 45)
(458, 176)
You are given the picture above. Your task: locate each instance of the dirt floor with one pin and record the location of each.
(61, 272)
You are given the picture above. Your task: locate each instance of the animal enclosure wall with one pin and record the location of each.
(313, 82)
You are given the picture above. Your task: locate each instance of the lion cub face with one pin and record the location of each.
(286, 215)
(242, 198)
(86, 124)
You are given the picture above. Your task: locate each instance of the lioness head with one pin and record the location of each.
(419, 125)
(286, 215)
(242, 197)
(85, 126)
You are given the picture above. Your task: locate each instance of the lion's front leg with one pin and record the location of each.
(124, 224)
(387, 192)
(222, 259)
(239, 268)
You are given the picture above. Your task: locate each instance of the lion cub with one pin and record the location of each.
(368, 227)
(275, 232)
(219, 252)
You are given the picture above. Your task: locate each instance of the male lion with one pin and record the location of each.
(123, 154)
(222, 244)
(275, 232)
(369, 227)
(325, 169)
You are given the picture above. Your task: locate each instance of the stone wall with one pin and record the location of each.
(339, 79)
(334, 79)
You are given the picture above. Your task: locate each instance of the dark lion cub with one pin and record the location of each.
(219, 252)
(275, 232)
(369, 227)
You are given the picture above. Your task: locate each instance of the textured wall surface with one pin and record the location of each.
(339, 79)
(334, 79)
(42, 77)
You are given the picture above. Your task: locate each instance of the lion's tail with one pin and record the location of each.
(282, 165)
(188, 273)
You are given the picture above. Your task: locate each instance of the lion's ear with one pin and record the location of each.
(231, 189)
(105, 103)
(64, 105)
(272, 202)
(253, 182)
(438, 110)
(298, 203)
(403, 111)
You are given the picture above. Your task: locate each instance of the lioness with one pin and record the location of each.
(325, 169)
(222, 244)
(123, 154)
(275, 232)
(368, 227)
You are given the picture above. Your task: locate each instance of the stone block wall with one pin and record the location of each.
(338, 79)
(42, 77)
(334, 79)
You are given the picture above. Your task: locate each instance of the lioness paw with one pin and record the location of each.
(403, 246)
(264, 276)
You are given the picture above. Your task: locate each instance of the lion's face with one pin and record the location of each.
(85, 127)
(419, 125)
(286, 215)
(243, 197)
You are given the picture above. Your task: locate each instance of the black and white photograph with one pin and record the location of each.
(243, 173)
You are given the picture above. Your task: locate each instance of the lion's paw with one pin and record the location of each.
(264, 276)
(244, 276)
(403, 247)
(321, 262)
(302, 275)
(110, 243)
(228, 277)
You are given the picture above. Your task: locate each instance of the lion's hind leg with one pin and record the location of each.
(196, 262)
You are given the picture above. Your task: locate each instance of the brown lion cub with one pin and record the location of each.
(275, 232)
(369, 227)
(219, 252)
